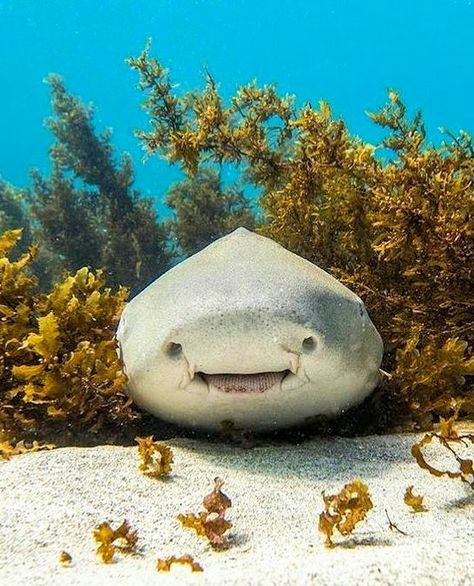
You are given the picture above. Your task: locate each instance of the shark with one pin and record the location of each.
(246, 331)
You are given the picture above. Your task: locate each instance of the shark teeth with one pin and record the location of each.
(244, 383)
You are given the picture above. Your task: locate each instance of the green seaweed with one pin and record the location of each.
(14, 213)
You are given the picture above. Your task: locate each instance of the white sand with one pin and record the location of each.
(51, 501)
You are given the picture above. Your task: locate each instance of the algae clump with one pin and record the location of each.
(59, 370)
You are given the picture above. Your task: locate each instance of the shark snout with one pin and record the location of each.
(243, 351)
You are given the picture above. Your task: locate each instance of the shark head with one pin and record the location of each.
(248, 332)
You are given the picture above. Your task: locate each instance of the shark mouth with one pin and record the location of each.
(244, 383)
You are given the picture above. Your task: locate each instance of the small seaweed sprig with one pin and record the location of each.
(344, 510)
(414, 501)
(156, 457)
(448, 437)
(211, 523)
(164, 565)
(110, 540)
(65, 558)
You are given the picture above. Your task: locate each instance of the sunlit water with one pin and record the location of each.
(346, 52)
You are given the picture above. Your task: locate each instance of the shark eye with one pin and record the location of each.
(309, 343)
(173, 350)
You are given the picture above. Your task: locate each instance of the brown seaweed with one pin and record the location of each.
(65, 558)
(123, 539)
(211, 523)
(59, 368)
(164, 565)
(343, 511)
(398, 230)
(156, 458)
(414, 501)
(449, 439)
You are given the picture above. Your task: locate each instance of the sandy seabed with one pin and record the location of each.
(51, 501)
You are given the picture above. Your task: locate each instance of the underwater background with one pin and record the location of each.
(341, 130)
(345, 52)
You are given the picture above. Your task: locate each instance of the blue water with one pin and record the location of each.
(346, 52)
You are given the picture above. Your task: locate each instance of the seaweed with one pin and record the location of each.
(432, 378)
(7, 449)
(397, 229)
(164, 565)
(87, 212)
(107, 539)
(65, 558)
(156, 458)
(211, 523)
(344, 510)
(60, 373)
(448, 438)
(14, 213)
(414, 501)
(203, 210)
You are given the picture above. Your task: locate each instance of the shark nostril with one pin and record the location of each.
(309, 343)
(173, 350)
